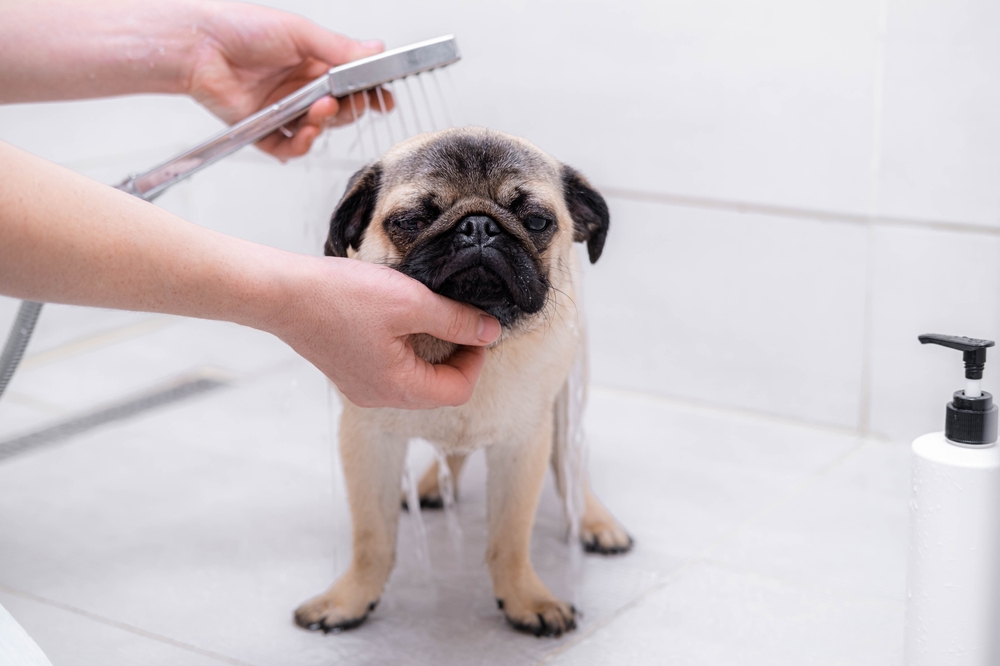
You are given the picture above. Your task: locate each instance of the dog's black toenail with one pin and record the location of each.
(594, 546)
(500, 604)
(372, 605)
(431, 503)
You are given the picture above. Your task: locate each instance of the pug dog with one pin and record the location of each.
(488, 219)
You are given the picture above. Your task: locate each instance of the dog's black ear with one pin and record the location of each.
(354, 212)
(588, 210)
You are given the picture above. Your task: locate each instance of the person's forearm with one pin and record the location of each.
(65, 238)
(66, 49)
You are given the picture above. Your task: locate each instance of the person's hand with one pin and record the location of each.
(69, 239)
(250, 57)
(352, 320)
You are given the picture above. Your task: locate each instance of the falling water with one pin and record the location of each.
(417, 519)
(413, 105)
(414, 117)
(442, 98)
(571, 442)
(340, 559)
(400, 111)
(427, 100)
(448, 490)
(453, 95)
(371, 124)
(360, 142)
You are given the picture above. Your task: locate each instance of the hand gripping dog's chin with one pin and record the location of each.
(475, 215)
(487, 219)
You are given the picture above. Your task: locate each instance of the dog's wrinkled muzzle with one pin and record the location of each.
(480, 263)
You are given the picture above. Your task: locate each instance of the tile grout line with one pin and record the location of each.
(123, 626)
(778, 210)
(745, 571)
(740, 412)
(96, 341)
(874, 192)
(705, 555)
(181, 388)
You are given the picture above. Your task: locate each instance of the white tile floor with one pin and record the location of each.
(188, 535)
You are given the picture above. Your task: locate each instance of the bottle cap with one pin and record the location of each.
(971, 416)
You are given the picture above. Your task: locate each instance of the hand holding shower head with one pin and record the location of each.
(357, 76)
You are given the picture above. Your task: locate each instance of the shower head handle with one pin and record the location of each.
(356, 76)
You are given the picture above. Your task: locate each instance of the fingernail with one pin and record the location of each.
(489, 329)
(372, 44)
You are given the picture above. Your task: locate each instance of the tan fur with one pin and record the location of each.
(512, 414)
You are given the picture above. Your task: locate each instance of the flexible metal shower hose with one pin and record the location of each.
(17, 341)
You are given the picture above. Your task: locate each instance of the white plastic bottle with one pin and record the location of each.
(953, 575)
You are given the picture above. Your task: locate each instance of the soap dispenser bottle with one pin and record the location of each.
(953, 575)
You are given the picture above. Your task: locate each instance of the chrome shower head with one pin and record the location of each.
(357, 76)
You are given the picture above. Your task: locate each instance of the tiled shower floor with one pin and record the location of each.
(189, 533)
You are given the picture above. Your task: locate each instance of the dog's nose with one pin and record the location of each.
(480, 229)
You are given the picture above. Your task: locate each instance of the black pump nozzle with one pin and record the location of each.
(973, 351)
(971, 417)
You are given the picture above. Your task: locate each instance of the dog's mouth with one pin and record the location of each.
(481, 287)
(502, 281)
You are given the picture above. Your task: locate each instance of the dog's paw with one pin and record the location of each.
(329, 612)
(426, 502)
(427, 489)
(529, 606)
(540, 617)
(601, 533)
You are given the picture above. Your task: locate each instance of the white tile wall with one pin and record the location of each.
(78, 133)
(746, 310)
(766, 101)
(771, 103)
(941, 138)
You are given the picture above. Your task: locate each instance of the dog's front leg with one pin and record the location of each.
(516, 473)
(373, 466)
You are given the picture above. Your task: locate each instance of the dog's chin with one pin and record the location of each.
(481, 287)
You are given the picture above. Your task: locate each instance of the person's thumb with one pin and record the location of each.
(449, 320)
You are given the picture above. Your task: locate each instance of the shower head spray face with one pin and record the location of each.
(360, 75)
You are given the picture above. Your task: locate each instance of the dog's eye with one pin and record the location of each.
(536, 223)
(408, 224)
(410, 221)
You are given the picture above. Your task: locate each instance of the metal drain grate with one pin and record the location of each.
(175, 392)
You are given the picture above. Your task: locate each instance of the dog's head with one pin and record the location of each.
(476, 215)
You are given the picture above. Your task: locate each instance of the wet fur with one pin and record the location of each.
(407, 211)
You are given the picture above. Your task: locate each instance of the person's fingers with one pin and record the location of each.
(304, 131)
(277, 145)
(449, 320)
(316, 42)
(352, 108)
(302, 141)
(320, 112)
(449, 383)
(388, 99)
